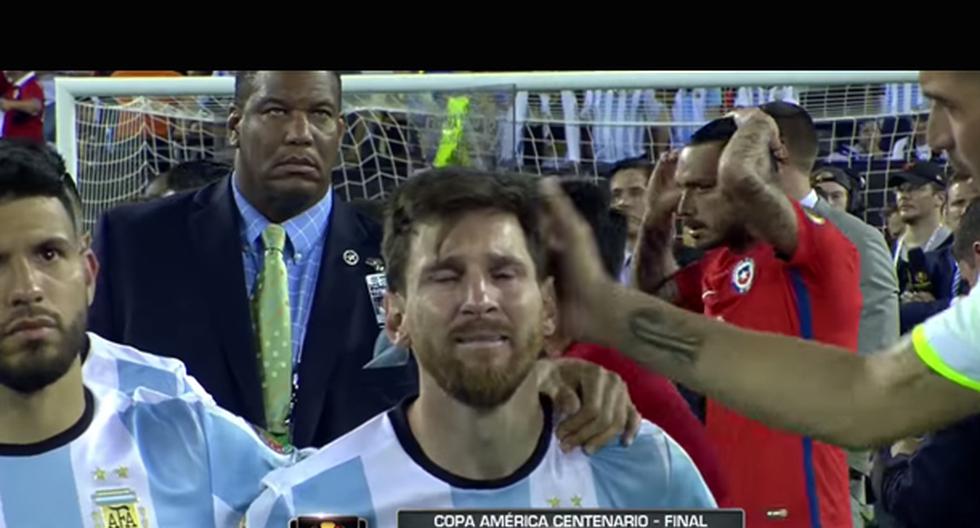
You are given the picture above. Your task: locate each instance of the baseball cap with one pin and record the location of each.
(829, 173)
(918, 174)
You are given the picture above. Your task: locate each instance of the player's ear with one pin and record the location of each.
(234, 121)
(91, 271)
(341, 126)
(396, 326)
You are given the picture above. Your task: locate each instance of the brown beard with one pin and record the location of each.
(482, 387)
(48, 361)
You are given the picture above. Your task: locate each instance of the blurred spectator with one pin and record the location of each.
(655, 396)
(866, 143)
(962, 190)
(46, 79)
(628, 184)
(894, 226)
(140, 123)
(914, 147)
(966, 248)
(922, 259)
(835, 185)
(921, 483)
(187, 176)
(22, 104)
(930, 482)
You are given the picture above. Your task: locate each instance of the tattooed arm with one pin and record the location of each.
(812, 389)
(816, 390)
(746, 175)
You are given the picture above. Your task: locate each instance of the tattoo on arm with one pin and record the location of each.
(651, 328)
(746, 171)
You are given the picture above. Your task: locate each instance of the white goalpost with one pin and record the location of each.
(117, 134)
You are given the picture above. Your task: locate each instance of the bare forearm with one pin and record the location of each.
(812, 389)
(653, 261)
(30, 106)
(746, 156)
(746, 176)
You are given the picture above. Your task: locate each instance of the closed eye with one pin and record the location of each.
(443, 276)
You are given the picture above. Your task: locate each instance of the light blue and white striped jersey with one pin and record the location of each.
(903, 98)
(111, 366)
(612, 139)
(510, 131)
(749, 96)
(379, 468)
(137, 460)
(690, 112)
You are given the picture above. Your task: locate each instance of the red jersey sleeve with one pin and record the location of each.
(820, 247)
(32, 90)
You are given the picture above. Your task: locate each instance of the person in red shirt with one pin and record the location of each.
(656, 398)
(22, 103)
(770, 266)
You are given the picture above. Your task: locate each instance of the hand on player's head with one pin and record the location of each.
(745, 117)
(574, 260)
(663, 190)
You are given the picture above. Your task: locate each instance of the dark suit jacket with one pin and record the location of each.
(936, 486)
(172, 283)
(940, 267)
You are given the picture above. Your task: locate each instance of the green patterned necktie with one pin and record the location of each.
(273, 333)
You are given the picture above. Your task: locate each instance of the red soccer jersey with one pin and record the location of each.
(782, 479)
(17, 124)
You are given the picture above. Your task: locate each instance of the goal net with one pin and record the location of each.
(120, 134)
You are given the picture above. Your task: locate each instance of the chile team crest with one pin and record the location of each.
(743, 275)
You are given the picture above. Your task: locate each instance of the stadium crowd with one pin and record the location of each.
(241, 346)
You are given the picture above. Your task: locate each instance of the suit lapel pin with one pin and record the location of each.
(351, 258)
(376, 264)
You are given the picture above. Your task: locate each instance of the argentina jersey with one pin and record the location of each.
(137, 461)
(111, 366)
(379, 468)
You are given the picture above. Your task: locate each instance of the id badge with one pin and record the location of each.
(377, 285)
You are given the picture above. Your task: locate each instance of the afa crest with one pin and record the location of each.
(743, 274)
(118, 508)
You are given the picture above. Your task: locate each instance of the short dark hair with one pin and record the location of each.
(608, 226)
(797, 131)
(245, 85)
(722, 129)
(641, 163)
(446, 194)
(29, 169)
(967, 232)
